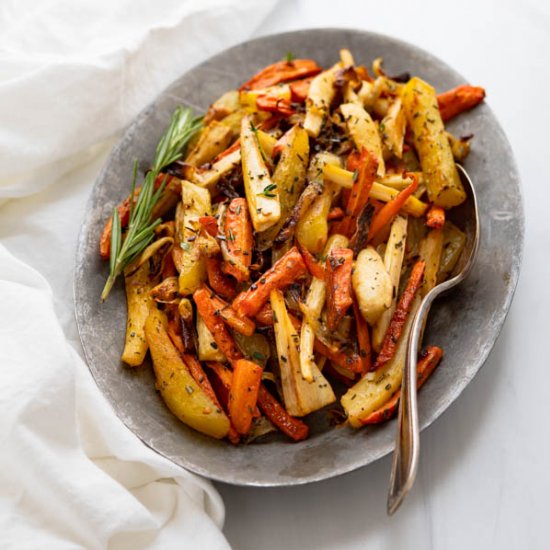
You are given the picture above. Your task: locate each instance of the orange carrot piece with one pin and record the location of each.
(429, 359)
(219, 282)
(459, 99)
(210, 224)
(264, 317)
(216, 325)
(239, 240)
(273, 104)
(173, 329)
(241, 324)
(299, 89)
(282, 71)
(351, 361)
(400, 315)
(243, 395)
(276, 413)
(284, 272)
(359, 195)
(363, 339)
(316, 269)
(335, 214)
(338, 281)
(386, 214)
(435, 218)
(198, 374)
(221, 384)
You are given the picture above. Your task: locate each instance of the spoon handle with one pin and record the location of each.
(407, 441)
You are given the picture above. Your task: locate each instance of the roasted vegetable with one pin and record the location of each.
(181, 393)
(440, 173)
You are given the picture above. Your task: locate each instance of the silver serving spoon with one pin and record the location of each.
(407, 441)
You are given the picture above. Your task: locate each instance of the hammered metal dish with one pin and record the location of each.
(466, 323)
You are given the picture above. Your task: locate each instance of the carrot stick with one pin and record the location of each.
(284, 272)
(215, 324)
(265, 316)
(220, 381)
(335, 214)
(385, 215)
(459, 99)
(359, 195)
(197, 372)
(243, 395)
(435, 218)
(400, 315)
(338, 281)
(210, 223)
(429, 359)
(316, 269)
(283, 71)
(219, 281)
(273, 104)
(351, 361)
(241, 324)
(239, 240)
(300, 89)
(275, 412)
(173, 329)
(363, 338)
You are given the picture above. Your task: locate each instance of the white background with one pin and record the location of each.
(483, 480)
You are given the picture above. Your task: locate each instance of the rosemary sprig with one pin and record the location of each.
(141, 228)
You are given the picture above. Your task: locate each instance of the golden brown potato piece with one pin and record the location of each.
(183, 396)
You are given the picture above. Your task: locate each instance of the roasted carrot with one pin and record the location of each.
(197, 372)
(215, 324)
(335, 214)
(316, 269)
(386, 214)
(349, 361)
(273, 104)
(283, 71)
(218, 280)
(239, 323)
(299, 89)
(294, 428)
(285, 271)
(429, 359)
(243, 395)
(220, 380)
(363, 338)
(239, 240)
(265, 316)
(435, 218)
(364, 176)
(338, 280)
(459, 99)
(173, 329)
(210, 223)
(400, 315)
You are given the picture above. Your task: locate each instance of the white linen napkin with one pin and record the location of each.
(72, 75)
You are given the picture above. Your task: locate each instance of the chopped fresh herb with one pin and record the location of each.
(267, 192)
(290, 57)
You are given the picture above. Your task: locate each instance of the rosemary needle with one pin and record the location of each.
(141, 228)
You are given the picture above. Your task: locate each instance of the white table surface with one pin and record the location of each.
(483, 475)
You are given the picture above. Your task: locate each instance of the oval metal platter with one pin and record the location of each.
(465, 323)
